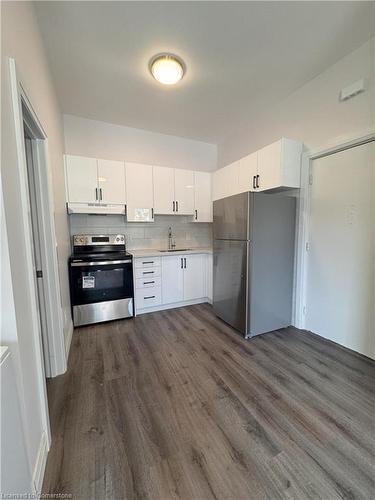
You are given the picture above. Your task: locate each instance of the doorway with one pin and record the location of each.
(340, 265)
(35, 219)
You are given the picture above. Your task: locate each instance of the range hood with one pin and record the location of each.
(95, 208)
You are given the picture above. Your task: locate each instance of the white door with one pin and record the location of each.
(194, 276)
(82, 179)
(184, 191)
(111, 182)
(139, 192)
(202, 197)
(340, 276)
(247, 172)
(269, 166)
(172, 279)
(164, 199)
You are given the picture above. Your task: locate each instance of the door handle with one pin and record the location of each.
(176, 206)
(152, 213)
(196, 214)
(182, 263)
(150, 297)
(258, 181)
(100, 194)
(96, 194)
(185, 262)
(254, 182)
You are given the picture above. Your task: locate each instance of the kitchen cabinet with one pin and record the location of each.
(225, 181)
(184, 191)
(194, 276)
(164, 191)
(279, 165)
(209, 275)
(172, 286)
(95, 186)
(111, 182)
(81, 179)
(202, 197)
(247, 173)
(139, 192)
(183, 277)
(173, 191)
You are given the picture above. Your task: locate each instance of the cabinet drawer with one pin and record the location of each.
(148, 283)
(147, 298)
(141, 263)
(150, 272)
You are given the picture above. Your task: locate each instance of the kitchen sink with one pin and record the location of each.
(177, 250)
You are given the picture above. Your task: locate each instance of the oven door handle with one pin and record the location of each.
(100, 263)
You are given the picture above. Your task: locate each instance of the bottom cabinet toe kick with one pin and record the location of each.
(172, 281)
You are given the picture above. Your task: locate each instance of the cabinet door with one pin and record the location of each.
(269, 167)
(247, 172)
(139, 192)
(82, 179)
(194, 276)
(172, 282)
(226, 181)
(164, 200)
(184, 191)
(111, 181)
(202, 197)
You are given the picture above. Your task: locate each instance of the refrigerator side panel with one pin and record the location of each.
(230, 282)
(271, 263)
(230, 217)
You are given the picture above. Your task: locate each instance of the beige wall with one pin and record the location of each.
(21, 41)
(313, 113)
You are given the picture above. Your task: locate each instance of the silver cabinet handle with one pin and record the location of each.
(100, 263)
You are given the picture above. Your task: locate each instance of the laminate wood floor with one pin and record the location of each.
(175, 405)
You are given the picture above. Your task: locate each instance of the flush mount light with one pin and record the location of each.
(167, 68)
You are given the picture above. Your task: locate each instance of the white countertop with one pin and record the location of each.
(153, 252)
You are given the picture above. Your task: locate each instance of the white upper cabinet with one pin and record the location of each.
(82, 179)
(225, 181)
(247, 173)
(274, 167)
(184, 191)
(164, 197)
(139, 192)
(279, 165)
(202, 197)
(111, 182)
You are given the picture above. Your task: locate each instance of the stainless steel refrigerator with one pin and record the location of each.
(254, 239)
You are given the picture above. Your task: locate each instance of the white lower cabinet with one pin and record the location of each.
(171, 279)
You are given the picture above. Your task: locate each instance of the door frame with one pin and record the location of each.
(22, 104)
(304, 205)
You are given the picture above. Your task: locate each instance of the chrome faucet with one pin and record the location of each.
(171, 243)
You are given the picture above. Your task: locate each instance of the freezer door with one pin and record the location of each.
(230, 217)
(230, 282)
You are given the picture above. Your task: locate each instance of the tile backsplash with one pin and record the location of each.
(148, 234)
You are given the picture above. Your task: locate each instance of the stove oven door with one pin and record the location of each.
(101, 290)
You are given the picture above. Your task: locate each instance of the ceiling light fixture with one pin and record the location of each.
(167, 68)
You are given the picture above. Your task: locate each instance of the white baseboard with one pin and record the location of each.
(68, 339)
(40, 464)
(172, 306)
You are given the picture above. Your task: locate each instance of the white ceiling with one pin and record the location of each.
(241, 57)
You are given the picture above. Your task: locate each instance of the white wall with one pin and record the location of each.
(312, 114)
(114, 142)
(21, 40)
